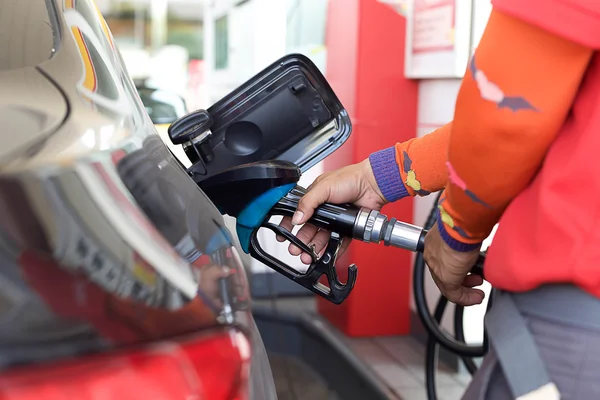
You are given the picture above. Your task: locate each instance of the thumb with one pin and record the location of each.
(467, 296)
(316, 196)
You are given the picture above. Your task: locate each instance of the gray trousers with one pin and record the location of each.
(571, 355)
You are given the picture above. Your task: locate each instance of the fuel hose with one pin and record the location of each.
(437, 336)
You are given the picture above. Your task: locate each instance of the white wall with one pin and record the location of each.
(260, 32)
(306, 26)
(256, 34)
(436, 99)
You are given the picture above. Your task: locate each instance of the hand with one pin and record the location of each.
(449, 269)
(352, 184)
(209, 284)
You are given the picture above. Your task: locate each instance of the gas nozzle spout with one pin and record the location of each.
(371, 226)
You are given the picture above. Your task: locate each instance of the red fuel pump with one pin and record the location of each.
(365, 67)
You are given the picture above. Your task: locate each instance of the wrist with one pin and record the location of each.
(370, 179)
(386, 174)
(453, 243)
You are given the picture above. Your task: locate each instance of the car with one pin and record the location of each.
(163, 107)
(120, 278)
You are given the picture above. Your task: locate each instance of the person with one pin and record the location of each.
(521, 151)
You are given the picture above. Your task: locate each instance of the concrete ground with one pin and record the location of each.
(400, 362)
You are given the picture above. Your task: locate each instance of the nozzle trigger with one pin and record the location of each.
(335, 290)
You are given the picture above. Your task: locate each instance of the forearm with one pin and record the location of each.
(414, 167)
(512, 103)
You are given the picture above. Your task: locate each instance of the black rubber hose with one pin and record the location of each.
(431, 352)
(427, 320)
(459, 333)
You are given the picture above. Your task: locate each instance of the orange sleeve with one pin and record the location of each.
(514, 99)
(422, 161)
(414, 167)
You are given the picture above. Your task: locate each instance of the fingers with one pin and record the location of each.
(225, 272)
(215, 272)
(313, 237)
(465, 296)
(318, 243)
(473, 281)
(305, 235)
(318, 240)
(470, 296)
(317, 195)
(309, 235)
(285, 223)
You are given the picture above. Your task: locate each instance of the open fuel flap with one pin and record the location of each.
(286, 112)
(248, 151)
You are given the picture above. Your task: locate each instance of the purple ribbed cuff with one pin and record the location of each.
(450, 241)
(387, 174)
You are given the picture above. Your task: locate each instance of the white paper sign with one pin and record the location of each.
(433, 26)
(438, 38)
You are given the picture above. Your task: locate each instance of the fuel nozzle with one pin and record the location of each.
(350, 221)
(371, 226)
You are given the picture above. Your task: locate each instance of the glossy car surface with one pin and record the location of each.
(164, 107)
(106, 244)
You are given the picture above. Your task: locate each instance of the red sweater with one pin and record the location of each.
(520, 149)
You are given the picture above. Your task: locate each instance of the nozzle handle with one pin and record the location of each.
(334, 290)
(338, 218)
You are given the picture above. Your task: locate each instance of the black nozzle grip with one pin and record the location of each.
(335, 291)
(338, 218)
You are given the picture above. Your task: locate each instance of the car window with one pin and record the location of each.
(28, 33)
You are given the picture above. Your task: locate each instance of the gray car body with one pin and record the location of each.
(68, 201)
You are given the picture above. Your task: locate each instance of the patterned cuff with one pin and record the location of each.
(387, 174)
(450, 241)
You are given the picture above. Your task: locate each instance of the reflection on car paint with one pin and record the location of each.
(76, 249)
(105, 250)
